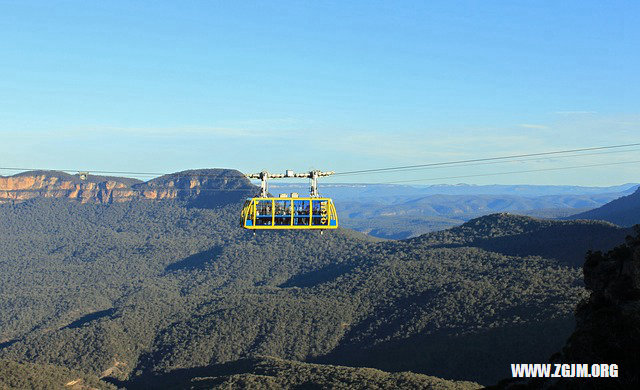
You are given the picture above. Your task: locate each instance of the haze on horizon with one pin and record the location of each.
(165, 86)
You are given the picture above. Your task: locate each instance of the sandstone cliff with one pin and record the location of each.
(195, 186)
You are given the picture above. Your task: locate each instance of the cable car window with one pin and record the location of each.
(263, 212)
(320, 212)
(301, 212)
(282, 212)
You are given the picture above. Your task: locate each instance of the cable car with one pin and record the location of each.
(289, 211)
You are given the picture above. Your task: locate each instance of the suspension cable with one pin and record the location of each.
(459, 163)
(400, 168)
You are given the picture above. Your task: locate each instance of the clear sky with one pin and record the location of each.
(164, 86)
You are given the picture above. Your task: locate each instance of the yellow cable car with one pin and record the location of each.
(289, 212)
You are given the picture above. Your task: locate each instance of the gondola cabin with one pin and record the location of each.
(289, 212)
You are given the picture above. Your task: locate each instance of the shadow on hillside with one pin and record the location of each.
(196, 261)
(322, 275)
(8, 343)
(410, 306)
(183, 378)
(566, 244)
(90, 317)
(483, 357)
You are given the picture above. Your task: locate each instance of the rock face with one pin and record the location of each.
(199, 186)
(608, 323)
(53, 184)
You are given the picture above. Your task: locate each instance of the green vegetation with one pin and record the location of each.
(38, 376)
(270, 373)
(564, 241)
(140, 288)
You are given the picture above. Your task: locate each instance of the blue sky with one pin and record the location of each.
(166, 86)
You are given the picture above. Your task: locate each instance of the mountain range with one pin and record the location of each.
(380, 210)
(403, 211)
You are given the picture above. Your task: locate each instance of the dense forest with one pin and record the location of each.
(273, 373)
(44, 376)
(134, 290)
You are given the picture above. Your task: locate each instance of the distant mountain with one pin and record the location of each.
(387, 192)
(624, 211)
(437, 212)
(403, 211)
(195, 186)
(381, 210)
(396, 227)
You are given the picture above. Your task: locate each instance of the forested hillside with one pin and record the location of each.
(563, 241)
(624, 211)
(127, 290)
(39, 376)
(384, 211)
(272, 373)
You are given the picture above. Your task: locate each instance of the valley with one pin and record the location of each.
(131, 290)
